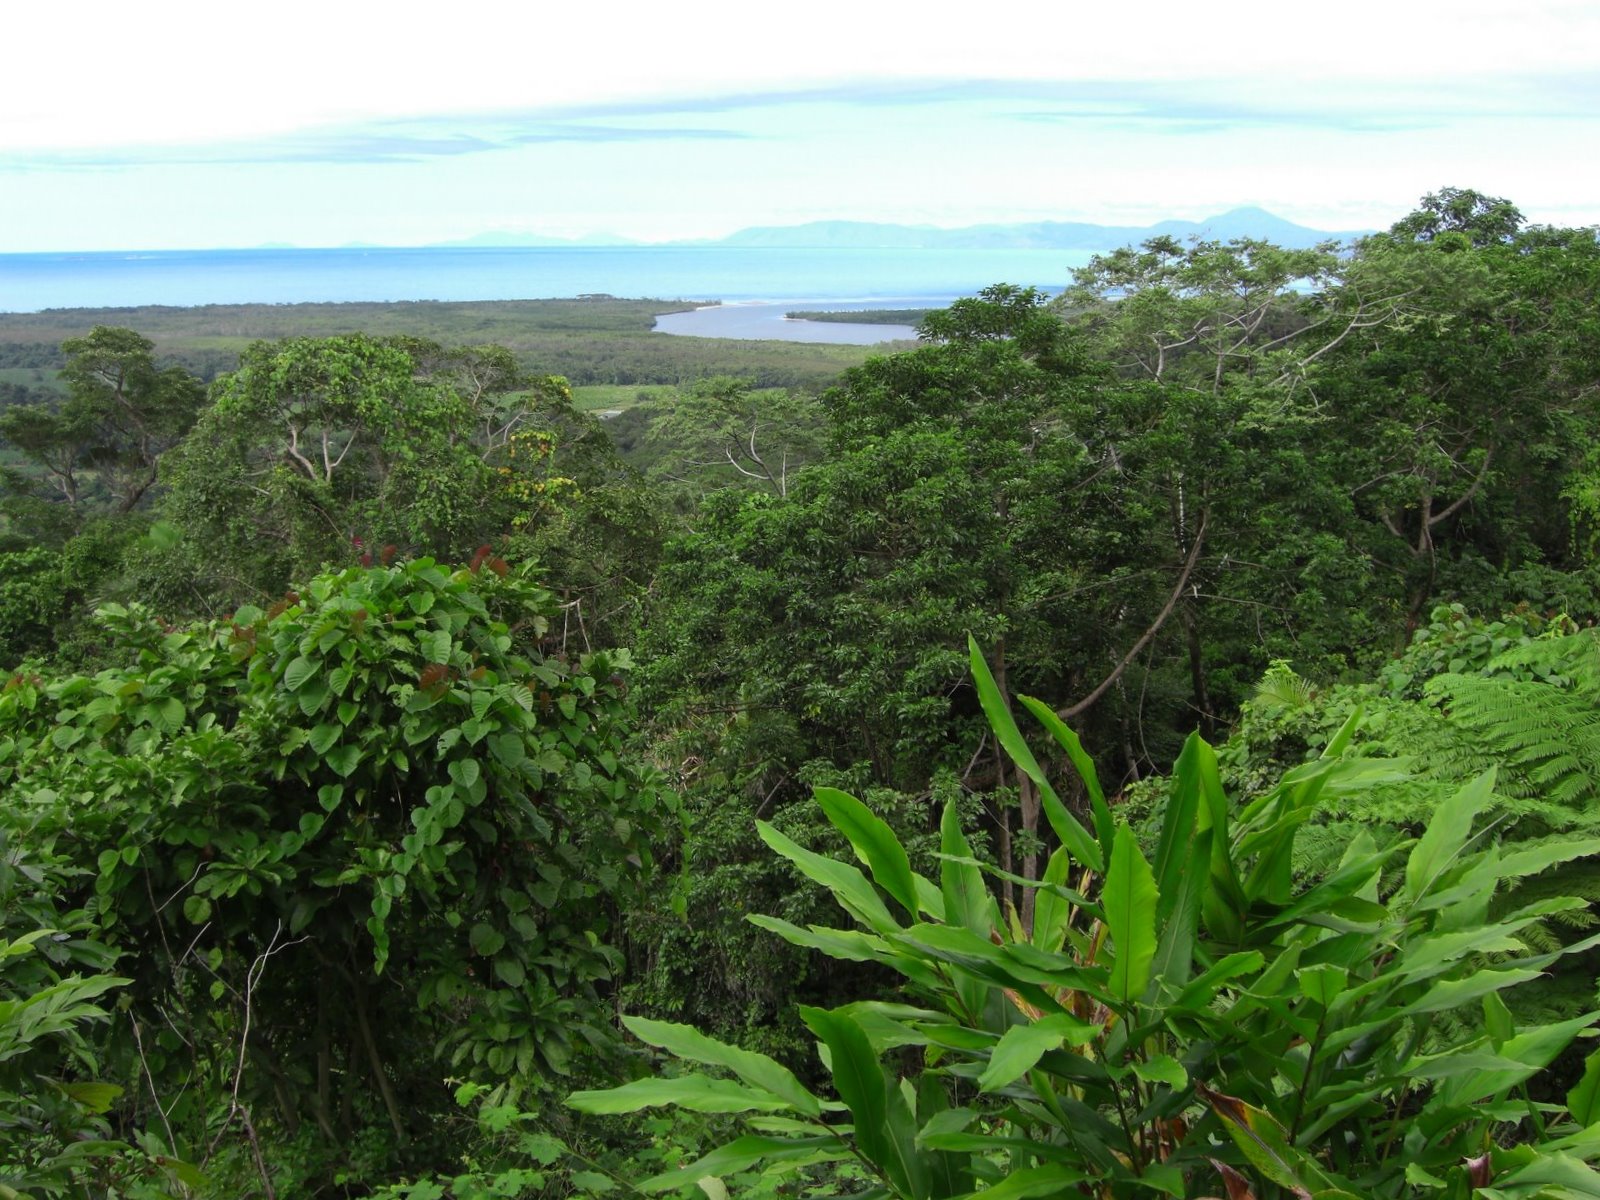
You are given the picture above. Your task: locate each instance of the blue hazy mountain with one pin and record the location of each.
(506, 240)
(1034, 235)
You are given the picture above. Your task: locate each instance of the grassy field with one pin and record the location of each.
(592, 342)
(614, 397)
(31, 377)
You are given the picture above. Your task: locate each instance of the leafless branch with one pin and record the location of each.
(1068, 713)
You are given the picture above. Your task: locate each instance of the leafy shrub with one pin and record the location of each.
(370, 825)
(1195, 1023)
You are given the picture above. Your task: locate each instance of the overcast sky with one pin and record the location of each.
(178, 124)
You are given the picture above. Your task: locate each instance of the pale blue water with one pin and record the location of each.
(761, 320)
(30, 282)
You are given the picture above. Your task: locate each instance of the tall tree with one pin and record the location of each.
(122, 413)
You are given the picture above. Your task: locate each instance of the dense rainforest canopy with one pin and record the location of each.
(1200, 664)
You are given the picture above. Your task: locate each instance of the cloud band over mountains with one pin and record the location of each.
(1175, 108)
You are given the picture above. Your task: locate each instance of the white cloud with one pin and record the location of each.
(183, 124)
(101, 74)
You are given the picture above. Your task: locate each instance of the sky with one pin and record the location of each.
(186, 125)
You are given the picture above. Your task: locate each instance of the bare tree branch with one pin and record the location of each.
(1074, 710)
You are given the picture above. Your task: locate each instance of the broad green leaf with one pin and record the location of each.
(757, 1070)
(464, 771)
(1419, 1177)
(1530, 860)
(966, 899)
(1497, 1020)
(851, 945)
(1067, 828)
(1223, 901)
(1265, 1144)
(697, 1093)
(885, 1130)
(486, 939)
(874, 844)
(322, 737)
(1164, 1177)
(1531, 1050)
(1322, 984)
(435, 645)
(849, 886)
(1174, 958)
(1052, 1179)
(1129, 899)
(1553, 1175)
(745, 1152)
(951, 1120)
(1175, 850)
(1446, 834)
(1583, 1101)
(1162, 1068)
(1452, 993)
(298, 671)
(343, 760)
(509, 748)
(1050, 908)
(1104, 825)
(1014, 966)
(96, 1097)
(1022, 1046)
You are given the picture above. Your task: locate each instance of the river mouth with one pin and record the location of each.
(766, 320)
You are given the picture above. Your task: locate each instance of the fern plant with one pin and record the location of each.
(1519, 695)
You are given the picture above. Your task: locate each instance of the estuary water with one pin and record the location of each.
(769, 321)
(183, 278)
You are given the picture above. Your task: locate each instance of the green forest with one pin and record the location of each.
(1142, 741)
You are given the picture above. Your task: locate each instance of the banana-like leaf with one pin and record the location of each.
(1022, 1046)
(1104, 826)
(1583, 1101)
(1174, 958)
(1532, 1050)
(850, 945)
(757, 1070)
(1073, 835)
(1050, 908)
(1530, 860)
(745, 1152)
(1446, 834)
(697, 1093)
(966, 899)
(1550, 1175)
(885, 1131)
(1174, 856)
(1266, 1145)
(850, 887)
(1052, 1179)
(874, 843)
(1129, 899)
(1453, 993)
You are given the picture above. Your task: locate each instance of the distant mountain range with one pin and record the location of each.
(534, 239)
(1034, 235)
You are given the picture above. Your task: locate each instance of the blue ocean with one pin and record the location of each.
(31, 282)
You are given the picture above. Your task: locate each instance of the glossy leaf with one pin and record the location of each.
(1129, 900)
